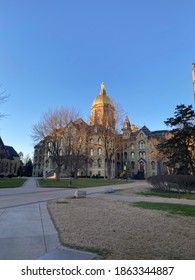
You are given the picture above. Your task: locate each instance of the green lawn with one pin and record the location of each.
(168, 195)
(186, 210)
(78, 183)
(11, 183)
(151, 192)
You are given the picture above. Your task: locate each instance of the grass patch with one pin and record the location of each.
(168, 194)
(151, 192)
(11, 183)
(185, 210)
(78, 183)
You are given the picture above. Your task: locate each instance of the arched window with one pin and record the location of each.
(144, 154)
(91, 140)
(132, 146)
(132, 165)
(99, 151)
(91, 152)
(99, 140)
(99, 163)
(132, 154)
(125, 155)
(142, 145)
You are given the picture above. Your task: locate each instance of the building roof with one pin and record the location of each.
(146, 130)
(8, 152)
(154, 134)
(11, 152)
(158, 133)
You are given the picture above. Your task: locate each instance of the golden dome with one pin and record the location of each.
(102, 98)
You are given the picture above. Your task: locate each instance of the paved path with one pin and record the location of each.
(135, 198)
(26, 230)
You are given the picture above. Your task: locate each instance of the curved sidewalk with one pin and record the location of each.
(27, 232)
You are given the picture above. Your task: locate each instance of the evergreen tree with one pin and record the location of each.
(179, 148)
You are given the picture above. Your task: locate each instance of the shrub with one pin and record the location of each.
(167, 183)
(10, 176)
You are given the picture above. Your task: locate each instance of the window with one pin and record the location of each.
(91, 152)
(153, 164)
(99, 163)
(142, 154)
(99, 151)
(132, 154)
(132, 146)
(125, 155)
(142, 145)
(132, 165)
(118, 156)
(91, 140)
(99, 140)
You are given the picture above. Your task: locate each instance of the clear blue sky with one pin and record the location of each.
(57, 52)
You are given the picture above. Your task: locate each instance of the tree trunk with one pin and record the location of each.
(58, 173)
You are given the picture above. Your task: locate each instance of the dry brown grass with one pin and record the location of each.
(121, 231)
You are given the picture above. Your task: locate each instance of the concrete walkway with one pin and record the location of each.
(136, 198)
(26, 229)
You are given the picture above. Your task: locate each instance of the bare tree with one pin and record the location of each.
(51, 130)
(3, 98)
(75, 145)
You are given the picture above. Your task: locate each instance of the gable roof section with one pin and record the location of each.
(145, 130)
(2, 146)
(11, 152)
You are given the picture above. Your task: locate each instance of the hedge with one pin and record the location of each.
(168, 183)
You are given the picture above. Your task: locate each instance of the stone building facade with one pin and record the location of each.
(131, 153)
(9, 160)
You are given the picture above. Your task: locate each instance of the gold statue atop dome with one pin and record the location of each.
(102, 91)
